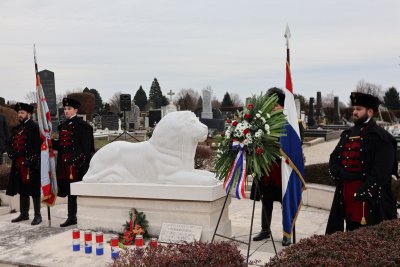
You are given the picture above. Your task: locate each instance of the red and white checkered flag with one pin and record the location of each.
(47, 162)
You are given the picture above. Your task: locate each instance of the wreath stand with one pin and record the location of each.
(251, 226)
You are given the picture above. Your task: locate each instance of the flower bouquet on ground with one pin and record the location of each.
(250, 143)
(137, 225)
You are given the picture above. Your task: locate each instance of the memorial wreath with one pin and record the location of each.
(137, 225)
(250, 143)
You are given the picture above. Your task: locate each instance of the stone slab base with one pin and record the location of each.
(318, 196)
(110, 213)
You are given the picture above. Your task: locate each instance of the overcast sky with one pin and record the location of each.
(234, 46)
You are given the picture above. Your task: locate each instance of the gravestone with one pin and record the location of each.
(297, 103)
(49, 89)
(154, 117)
(110, 122)
(207, 108)
(318, 106)
(336, 112)
(311, 120)
(209, 116)
(133, 118)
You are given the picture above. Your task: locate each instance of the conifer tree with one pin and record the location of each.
(140, 98)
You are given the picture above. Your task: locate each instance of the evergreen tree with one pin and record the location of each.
(200, 102)
(392, 99)
(98, 101)
(155, 95)
(140, 98)
(227, 101)
(164, 100)
(86, 90)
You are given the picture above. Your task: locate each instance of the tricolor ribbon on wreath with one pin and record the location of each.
(238, 168)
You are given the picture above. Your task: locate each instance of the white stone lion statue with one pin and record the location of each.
(166, 158)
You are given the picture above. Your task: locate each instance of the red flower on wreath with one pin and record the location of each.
(222, 134)
(234, 123)
(246, 131)
(247, 116)
(259, 151)
(250, 106)
(228, 120)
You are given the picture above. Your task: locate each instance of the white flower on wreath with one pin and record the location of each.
(267, 128)
(263, 119)
(258, 115)
(238, 133)
(259, 133)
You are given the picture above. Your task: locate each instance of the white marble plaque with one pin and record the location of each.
(178, 233)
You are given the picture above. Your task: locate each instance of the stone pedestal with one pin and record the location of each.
(105, 207)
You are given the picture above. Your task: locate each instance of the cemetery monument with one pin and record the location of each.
(155, 176)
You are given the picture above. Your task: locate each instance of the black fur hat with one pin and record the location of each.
(23, 106)
(279, 93)
(71, 102)
(365, 100)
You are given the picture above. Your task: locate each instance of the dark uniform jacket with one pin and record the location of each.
(75, 148)
(378, 161)
(24, 150)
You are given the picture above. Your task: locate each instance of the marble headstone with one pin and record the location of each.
(133, 118)
(49, 89)
(207, 108)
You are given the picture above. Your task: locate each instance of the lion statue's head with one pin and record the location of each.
(180, 131)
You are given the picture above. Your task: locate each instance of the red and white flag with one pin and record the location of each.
(47, 158)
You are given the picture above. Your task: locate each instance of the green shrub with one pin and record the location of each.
(318, 174)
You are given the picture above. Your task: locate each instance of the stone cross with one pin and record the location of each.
(170, 95)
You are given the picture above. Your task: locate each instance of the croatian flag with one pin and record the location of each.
(47, 158)
(292, 162)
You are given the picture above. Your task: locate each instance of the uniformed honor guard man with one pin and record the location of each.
(270, 186)
(24, 151)
(362, 165)
(75, 148)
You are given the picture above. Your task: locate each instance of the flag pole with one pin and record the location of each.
(37, 78)
(287, 36)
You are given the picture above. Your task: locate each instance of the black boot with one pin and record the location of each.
(36, 205)
(24, 209)
(262, 235)
(265, 221)
(286, 241)
(72, 209)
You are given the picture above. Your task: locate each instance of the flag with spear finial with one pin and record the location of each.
(293, 163)
(47, 158)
